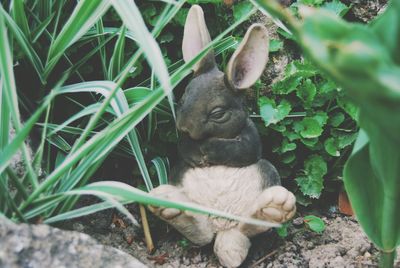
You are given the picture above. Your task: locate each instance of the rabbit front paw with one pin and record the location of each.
(275, 204)
(168, 192)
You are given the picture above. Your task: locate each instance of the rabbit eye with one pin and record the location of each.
(218, 114)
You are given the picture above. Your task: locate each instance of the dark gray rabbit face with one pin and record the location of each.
(210, 109)
(213, 105)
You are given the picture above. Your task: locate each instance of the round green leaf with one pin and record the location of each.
(311, 128)
(315, 223)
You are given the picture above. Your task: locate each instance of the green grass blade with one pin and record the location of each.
(99, 32)
(75, 66)
(19, 16)
(161, 166)
(23, 43)
(120, 106)
(133, 20)
(40, 29)
(124, 193)
(80, 212)
(117, 130)
(10, 95)
(117, 57)
(84, 16)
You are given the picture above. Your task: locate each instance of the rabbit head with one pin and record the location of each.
(213, 105)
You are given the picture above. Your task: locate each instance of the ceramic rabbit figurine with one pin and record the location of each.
(220, 148)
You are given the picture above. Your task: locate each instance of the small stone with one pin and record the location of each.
(367, 255)
(76, 226)
(186, 261)
(298, 221)
(196, 259)
(310, 245)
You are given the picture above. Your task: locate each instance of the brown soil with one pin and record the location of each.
(342, 244)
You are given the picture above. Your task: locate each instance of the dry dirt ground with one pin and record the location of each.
(342, 244)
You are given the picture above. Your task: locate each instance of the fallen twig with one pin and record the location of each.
(146, 230)
(264, 258)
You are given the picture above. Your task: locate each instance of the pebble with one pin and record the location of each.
(298, 221)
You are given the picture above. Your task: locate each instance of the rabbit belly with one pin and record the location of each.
(229, 189)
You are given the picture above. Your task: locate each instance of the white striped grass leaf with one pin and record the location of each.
(10, 203)
(137, 94)
(4, 118)
(76, 65)
(19, 16)
(37, 160)
(80, 212)
(84, 16)
(126, 193)
(23, 43)
(133, 20)
(44, 8)
(16, 182)
(98, 32)
(118, 129)
(88, 110)
(70, 202)
(120, 106)
(9, 93)
(166, 16)
(59, 142)
(109, 198)
(161, 165)
(49, 36)
(41, 28)
(117, 57)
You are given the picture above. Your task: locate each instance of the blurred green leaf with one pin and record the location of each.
(337, 7)
(241, 9)
(275, 45)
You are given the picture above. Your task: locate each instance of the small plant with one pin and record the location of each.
(365, 61)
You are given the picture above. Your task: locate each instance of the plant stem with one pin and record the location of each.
(387, 259)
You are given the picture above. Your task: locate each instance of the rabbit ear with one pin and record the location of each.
(248, 61)
(195, 38)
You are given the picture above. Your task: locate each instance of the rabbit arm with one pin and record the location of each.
(243, 150)
(189, 150)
